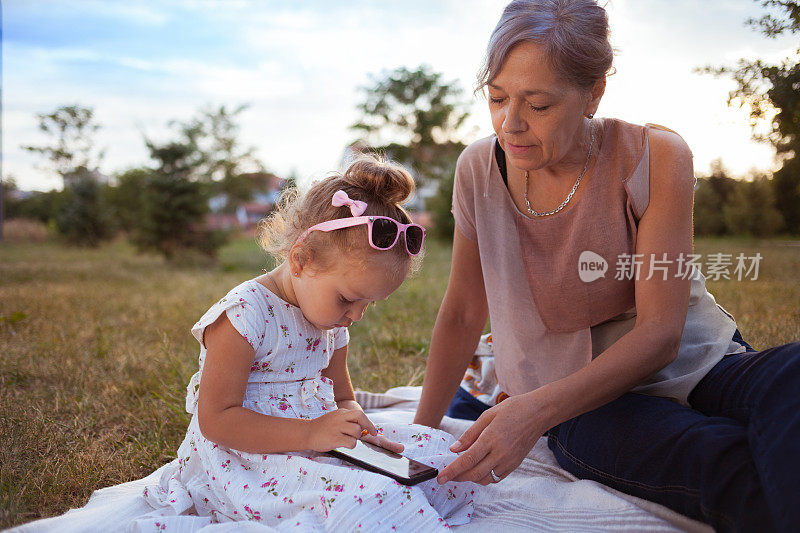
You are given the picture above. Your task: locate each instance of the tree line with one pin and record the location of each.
(415, 117)
(161, 205)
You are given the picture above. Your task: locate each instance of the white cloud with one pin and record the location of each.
(146, 13)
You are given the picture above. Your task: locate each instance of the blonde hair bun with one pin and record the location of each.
(381, 179)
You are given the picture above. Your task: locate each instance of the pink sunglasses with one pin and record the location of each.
(383, 232)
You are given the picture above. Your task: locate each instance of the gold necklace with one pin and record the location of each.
(574, 187)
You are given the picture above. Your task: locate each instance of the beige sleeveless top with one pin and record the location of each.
(546, 322)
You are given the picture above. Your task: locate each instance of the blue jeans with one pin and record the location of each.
(731, 460)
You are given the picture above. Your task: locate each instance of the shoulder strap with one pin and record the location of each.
(638, 185)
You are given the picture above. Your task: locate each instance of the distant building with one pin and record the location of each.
(248, 214)
(265, 190)
(222, 221)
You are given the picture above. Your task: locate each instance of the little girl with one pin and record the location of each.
(273, 390)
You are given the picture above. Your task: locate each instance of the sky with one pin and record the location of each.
(299, 66)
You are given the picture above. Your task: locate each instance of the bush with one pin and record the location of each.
(171, 222)
(125, 198)
(727, 206)
(42, 206)
(84, 219)
(751, 210)
(444, 225)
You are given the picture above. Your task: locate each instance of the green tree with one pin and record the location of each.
(416, 117)
(174, 203)
(751, 209)
(220, 158)
(8, 198)
(72, 129)
(415, 106)
(42, 206)
(712, 193)
(82, 217)
(727, 206)
(770, 93)
(125, 197)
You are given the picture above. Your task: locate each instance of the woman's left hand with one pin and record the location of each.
(498, 441)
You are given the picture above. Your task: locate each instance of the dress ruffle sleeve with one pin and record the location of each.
(243, 315)
(246, 318)
(341, 338)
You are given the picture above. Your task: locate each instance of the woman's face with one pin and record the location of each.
(538, 117)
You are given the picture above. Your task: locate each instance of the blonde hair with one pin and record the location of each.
(382, 184)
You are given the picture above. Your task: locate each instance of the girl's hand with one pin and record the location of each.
(499, 440)
(372, 436)
(384, 442)
(341, 427)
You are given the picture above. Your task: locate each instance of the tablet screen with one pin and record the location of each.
(384, 459)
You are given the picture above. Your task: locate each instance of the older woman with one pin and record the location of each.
(638, 378)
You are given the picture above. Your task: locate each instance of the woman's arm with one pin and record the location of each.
(661, 304)
(504, 434)
(456, 333)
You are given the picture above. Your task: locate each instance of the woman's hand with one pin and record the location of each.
(499, 440)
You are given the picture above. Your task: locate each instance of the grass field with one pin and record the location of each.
(95, 353)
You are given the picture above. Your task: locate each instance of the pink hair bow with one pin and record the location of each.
(357, 207)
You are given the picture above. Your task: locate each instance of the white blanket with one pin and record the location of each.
(538, 496)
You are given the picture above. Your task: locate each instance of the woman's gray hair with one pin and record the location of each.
(574, 34)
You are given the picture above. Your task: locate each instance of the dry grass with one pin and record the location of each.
(17, 230)
(96, 354)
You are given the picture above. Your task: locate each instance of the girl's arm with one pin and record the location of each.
(224, 420)
(456, 333)
(501, 438)
(345, 397)
(336, 370)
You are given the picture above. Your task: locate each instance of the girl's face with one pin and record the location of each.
(538, 117)
(338, 296)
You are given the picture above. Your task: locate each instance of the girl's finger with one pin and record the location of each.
(390, 444)
(485, 480)
(352, 429)
(383, 442)
(366, 423)
(348, 442)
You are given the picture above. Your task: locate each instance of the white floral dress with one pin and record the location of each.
(209, 485)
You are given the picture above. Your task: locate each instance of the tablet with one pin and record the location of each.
(382, 461)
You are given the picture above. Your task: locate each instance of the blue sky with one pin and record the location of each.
(299, 66)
